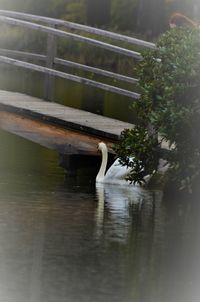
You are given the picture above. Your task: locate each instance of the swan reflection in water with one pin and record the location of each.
(117, 197)
(115, 204)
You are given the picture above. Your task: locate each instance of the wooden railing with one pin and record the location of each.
(80, 27)
(50, 27)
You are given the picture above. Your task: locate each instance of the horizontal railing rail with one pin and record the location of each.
(50, 60)
(75, 37)
(32, 56)
(98, 71)
(68, 76)
(76, 26)
(22, 54)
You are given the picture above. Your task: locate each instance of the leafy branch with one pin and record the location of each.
(170, 103)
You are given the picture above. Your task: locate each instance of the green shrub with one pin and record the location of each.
(170, 103)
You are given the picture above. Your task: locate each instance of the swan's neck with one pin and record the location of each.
(102, 170)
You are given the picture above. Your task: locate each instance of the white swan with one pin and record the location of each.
(116, 174)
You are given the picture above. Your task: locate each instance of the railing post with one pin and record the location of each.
(49, 82)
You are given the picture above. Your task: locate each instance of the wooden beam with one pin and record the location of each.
(71, 77)
(64, 141)
(49, 83)
(80, 27)
(25, 56)
(62, 116)
(74, 37)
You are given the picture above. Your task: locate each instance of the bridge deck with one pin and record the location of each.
(72, 130)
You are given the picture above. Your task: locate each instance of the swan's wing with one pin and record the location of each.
(117, 171)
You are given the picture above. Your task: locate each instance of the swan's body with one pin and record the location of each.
(116, 174)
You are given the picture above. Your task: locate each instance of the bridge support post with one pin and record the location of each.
(49, 82)
(85, 166)
(76, 165)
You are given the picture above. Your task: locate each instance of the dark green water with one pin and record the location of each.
(63, 240)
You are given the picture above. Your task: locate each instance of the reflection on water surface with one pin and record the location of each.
(62, 241)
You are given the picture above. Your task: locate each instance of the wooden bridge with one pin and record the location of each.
(64, 129)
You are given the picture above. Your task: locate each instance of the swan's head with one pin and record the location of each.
(102, 146)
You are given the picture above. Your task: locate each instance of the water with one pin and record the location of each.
(67, 241)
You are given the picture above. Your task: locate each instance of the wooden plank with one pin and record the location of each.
(59, 115)
(64, 141)
(61, 128)
(80, 27)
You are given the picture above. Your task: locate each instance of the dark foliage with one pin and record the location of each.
(170, 103)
